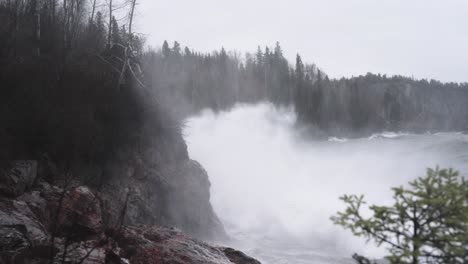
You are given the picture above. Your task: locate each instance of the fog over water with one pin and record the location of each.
(275, 190)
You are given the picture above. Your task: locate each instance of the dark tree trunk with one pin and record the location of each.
(109, 37)
(38, 32)
(131, 18)
(93, 11)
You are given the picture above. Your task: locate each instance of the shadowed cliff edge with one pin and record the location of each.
(44, 223)
(91, 163)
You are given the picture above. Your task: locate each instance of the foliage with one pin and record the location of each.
(428, 223)
(72, 85)
(78, 99)
(348, 106)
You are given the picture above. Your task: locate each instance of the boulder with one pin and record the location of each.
(84, 252)
(27, 222)
(43, 223)
(17, 177)
(73, 219)
(22, 235)
(238, 257)
(79, 214)
(161, 245)
(13, 238)
(16, 215)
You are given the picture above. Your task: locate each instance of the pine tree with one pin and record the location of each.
(166, 51)
(299, 69)
(428, 223)
(259, 57)
(278, 51)
(116, 33)
(187, 51)
(176, 48)
(300, 101)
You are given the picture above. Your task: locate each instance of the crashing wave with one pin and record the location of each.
(336, 139)
(388, 135)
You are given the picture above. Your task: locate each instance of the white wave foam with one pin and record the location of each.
(388, 135)
(268, 183)
(336, 139)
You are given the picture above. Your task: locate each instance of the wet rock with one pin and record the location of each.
(41, 222)
(190, 208)
(13, 238)
(80, 214)
(84, 252)
(177, 196)
(81, 239)
(17, 215)
(38, 205)
(16, 248)
(22, 236)
(238, 257)
(144, 190)
(162, 245)
(17, 177)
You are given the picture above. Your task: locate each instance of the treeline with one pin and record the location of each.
(76, 83)
(189, 81)
(71, 85)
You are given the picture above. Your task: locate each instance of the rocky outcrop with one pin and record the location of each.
(21, 232)
(164, 193)
(17, 177)
(236, 256)
(50, 224)
(79, 214)
(148, 245)
(190, 208)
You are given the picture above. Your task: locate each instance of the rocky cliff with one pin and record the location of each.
(45, 223)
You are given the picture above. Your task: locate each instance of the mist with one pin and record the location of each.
(345, 37)
(271, 183)
(226, 131)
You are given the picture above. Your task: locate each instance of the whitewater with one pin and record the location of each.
(275, 188)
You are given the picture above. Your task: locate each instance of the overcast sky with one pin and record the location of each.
(420, 38)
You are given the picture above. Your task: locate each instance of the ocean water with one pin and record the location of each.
(275, 190)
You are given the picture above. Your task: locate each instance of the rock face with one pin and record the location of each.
(50, 224)
(236, 256)
(190, 206)
(17, 177)
(148, 245)
(175, 193)
(80, 213)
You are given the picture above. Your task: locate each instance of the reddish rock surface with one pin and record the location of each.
(80, 213)
(51, 225)
(146, 245)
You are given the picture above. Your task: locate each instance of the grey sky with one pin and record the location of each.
(420, 38)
